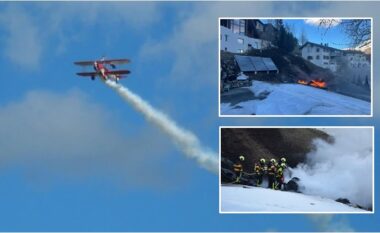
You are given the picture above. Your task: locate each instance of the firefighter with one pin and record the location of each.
(238, 168)
(280, 176)
(260, 169)
(272, 174)
(283, 161)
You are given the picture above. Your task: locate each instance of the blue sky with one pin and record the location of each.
(334, 36)
(75, 157)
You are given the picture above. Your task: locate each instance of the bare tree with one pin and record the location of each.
(358, 30)
(303, 37)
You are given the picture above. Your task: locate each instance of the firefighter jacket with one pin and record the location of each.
(272, 170)
(260, 169)
(238, 167)
(280, 172)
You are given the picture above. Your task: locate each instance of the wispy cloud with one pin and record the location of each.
(323, 22)
(330, 223)
(43, 26)
(67, 135)
(136, 15)
(22, 41)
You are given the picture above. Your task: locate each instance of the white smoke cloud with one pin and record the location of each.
(186, 140)
(342, 169)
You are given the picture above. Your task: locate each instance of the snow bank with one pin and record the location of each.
(261, 200)
(296, 99)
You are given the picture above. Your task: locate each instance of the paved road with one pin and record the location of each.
(237, 95)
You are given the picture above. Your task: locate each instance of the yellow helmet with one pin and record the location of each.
(273, 161)
(262, 161)
(283, 160)
(241, 157)
(283, 165)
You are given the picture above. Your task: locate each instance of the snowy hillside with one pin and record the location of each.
(253, 199)
(295, 99)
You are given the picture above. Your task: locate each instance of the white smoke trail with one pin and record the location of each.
(342, 169)
(186, 140)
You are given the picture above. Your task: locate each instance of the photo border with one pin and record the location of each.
(254, 116)
(296, 212)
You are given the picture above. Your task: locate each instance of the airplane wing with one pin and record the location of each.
(84, 63)
(116, 61)
(88, 74)
(119, 72)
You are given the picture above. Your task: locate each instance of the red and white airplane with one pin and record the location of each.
(103, 68)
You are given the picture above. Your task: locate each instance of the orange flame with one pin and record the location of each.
(315, 83)
(302, 82)
(318, 83)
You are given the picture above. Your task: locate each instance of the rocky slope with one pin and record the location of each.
(256, 143)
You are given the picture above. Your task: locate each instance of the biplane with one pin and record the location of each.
(105, 69)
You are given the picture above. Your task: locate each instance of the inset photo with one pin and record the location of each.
(296, 170)
(295, 67)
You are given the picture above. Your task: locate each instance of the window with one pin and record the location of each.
(226, 37)
(240, 41)
(225, 48)
(309, 57)
(238, 26)
(317, 57)
(326, 57)
(242, 26)
(235, 26)
(240, 51)
(317, 50)
(259, 26)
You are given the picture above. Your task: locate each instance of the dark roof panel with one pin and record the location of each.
(255, 64)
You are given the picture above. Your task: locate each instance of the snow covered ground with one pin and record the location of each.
(295, 99)
(260, 200)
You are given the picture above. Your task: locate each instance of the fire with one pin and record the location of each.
(318, 83)
(315, 83)
(302, 82)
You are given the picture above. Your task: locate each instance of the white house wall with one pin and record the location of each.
(321, 56)
(237, 43)
(358, 69)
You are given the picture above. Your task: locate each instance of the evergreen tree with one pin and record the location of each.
(285, 39)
